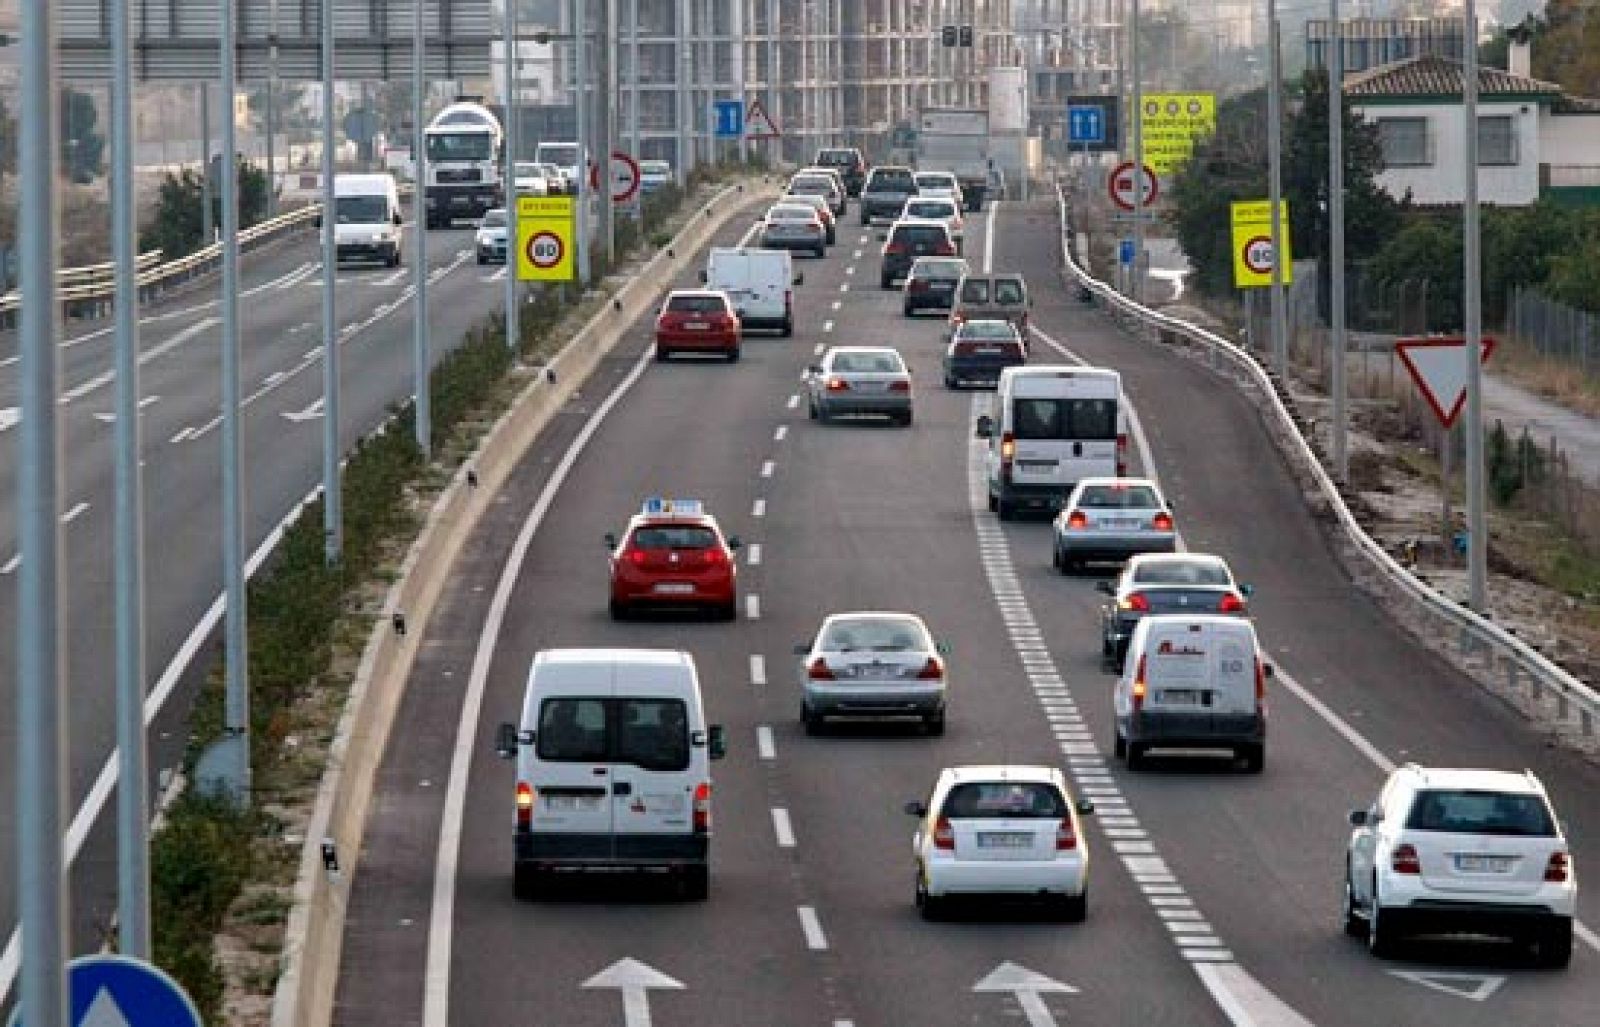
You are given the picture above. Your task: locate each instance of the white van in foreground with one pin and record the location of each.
(367, 218)
(1053, 425)
(1193, 683)
(613, 758)
(760, 283)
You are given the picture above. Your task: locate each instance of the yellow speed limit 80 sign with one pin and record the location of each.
(1252, 243)
(545, 238)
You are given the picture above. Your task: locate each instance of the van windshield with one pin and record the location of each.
(1048, 418)
(360, 210)
(649, 733)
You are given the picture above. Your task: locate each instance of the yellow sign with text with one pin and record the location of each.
(1172, 122)
(545, 239)
(1252, 243)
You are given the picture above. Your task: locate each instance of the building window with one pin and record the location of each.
(1497, 141)
(1405, 142)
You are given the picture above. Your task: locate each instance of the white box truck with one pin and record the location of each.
(956, 139)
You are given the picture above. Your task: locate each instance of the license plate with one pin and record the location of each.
(1180, 696)
(868, 386)
(572, 803)
(1004, 840)
(695, 326)
(1475, 864)
(987, 351)
(1118, 522)
(673, 588)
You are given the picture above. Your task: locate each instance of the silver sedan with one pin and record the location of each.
(873, 664)
(794, 226)
(859, 380)
(1112, 519)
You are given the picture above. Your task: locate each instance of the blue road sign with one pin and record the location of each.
(1125, 252)
(126, 992)
(730, 118)
(1086, 125)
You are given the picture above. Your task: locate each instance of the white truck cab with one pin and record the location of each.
(1053, 425)
(367, 218)
(759, 282)
(613, 768)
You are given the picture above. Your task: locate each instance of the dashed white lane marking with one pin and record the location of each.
(758, 508)
(767, 467)
(110, 416)
(837, 304)
(856, 255)
(850, 270)
(752, 607)
(758, 669)
(753, 554)
(74, 513)
(866, 238)
(827, 326)
(794, 401)
(818, 349)
(106, 378)
(12, 564)
(782, 827)
(766, 748)
(779, 432)
(816, 941)
(844, 286)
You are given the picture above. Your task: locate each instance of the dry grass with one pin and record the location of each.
(1555, 379)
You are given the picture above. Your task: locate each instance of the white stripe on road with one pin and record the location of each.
(752, 606)
(779, 432)
(816, 941)
(12, 564)
(818, 349)
(753, 557)
(782, 828)
(827, 326)
(758, 669)
(766, 748)
(758, 508)
(794, 401)
(1243, 999)
(162, 350)
(74, 513)
(837, 304)
(767, 467)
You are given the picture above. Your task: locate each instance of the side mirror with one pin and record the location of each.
(1266, 670)
(799, 278)
(733, 542)
(611, 540)
(801, 648)
(1358, 818)
(398, 219)
(1104, 588)
(505, 742)
(703, 276)
(916, 809)
(814, 369)
(985, 429)
(942, 648)
(1246, 590)
(1084, 807)
(718, 742)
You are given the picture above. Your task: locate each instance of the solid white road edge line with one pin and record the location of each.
(436, 983)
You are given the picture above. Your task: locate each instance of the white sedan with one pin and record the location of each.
(1001, 831)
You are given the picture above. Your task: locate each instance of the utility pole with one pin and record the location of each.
(1341, 458)
(1280, 326)
(513, 318)
(580, 31)
(332, 507)
(685, 70)
(607, 80)
(207, 232)
(1138, 164)
(421, 366)
(1472, 302)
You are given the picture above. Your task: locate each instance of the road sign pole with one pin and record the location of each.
(636, 143)
(513, 320)
(580, 29)
(133, 816)
(1341, 456)
(1280, 327)
(332, 514)
(421, 366)
(1472, 302)
(1138, 164)
(608, 126)
(41, 672)
(208, 235)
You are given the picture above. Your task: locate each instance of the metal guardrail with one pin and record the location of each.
(1476, 635)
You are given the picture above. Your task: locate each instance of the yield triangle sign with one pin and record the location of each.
(1476, 987)
(1438, 364)
(758, 124)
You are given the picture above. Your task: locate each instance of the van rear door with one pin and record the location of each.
(569, 769)
(1065, 426)
(1178, 659)
(656, 763)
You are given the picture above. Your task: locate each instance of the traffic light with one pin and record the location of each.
(966, 35)
(948, 36)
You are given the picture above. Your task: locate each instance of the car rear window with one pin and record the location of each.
(792, 213)
(892, 178)
(1119, 497)
(1009, 291)
(878, 635)
(1185, 572)
(975, 290)
(929, 209)
(927, 181)
(1004, 800)
(919, 234)
(696, 304)
(1476, 812)
(988, 347)
(886, 363)
(837, 158)
(987, 330)
(936, 269)
(811, 184)
(673, 536)
(649, 733)
(1046, 418)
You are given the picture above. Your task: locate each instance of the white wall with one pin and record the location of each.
(1569, 139)
(1443, 181)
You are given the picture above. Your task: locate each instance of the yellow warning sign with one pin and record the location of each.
(545, 239)
(1252, 243)
(1172, 123)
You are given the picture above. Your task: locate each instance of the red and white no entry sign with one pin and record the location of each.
(624, 176)
(1258, 254)
(545, 249)
(1123, 189)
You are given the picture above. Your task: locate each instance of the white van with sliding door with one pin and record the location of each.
(1053, 425)
(759, 282)
(613, 757)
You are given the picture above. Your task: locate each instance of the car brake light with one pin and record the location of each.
(1008, 452)
(838, 385)
(1555, 871)
(1261, 688)
(702, 808)
(1139, 687)
(1161, 522)
(1405, 860)
(714, 556)
(944, 836)
(636, 557)
(1066, 837)
(1077, 519)
(933, 670)
(916, 285)
(525, 798)
(945, 249)
(894, 247)
(819, 670)
(899, 386)
(1135, 602)
(1230, 604)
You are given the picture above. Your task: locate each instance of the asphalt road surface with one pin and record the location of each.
(1214, 895)
(280, 336)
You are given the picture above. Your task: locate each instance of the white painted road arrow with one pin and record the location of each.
(1476, 987)
(634, 979)
(1027, 986)
(309, 413)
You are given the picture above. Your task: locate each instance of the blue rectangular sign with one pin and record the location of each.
(1125, 252)
(1086, 125)
(729, 118)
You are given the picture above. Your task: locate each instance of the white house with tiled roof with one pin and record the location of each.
(1533, 140)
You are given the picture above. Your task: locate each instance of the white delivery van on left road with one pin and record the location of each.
(613, 757)
(759, 282)
(367, 218)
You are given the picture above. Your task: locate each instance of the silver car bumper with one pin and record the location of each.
(874, 698)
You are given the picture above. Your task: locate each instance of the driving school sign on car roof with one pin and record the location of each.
(1171, 123)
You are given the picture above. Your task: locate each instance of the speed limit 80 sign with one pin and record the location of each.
(545, 238)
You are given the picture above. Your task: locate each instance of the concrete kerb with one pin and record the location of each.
(315, 931)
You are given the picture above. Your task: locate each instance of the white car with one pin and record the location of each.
(939, 208)
(1112, 519)
(491, 238)
(1001, 831)
(873, 664)
(1445, 851)
(653, 174)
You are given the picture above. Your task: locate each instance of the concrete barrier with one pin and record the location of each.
(315, 933)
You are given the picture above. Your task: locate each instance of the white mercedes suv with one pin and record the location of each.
(1446, 851)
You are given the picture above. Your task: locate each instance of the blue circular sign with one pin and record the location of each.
(111, 989)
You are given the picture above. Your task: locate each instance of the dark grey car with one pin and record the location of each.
(885, 193)
(908, 239)
(931, 283)
(1181, 583)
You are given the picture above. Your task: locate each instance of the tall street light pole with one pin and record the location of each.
(1138, 162)
(1341, 457)
(513, 82)
(580, 87)
(1280, 325)
(332, 507)
(1472, 301)
(420, 364)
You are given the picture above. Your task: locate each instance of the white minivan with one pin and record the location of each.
(613, 758)
(367, 217)
(1053, 425)
(1192, 683)
(759, 282)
